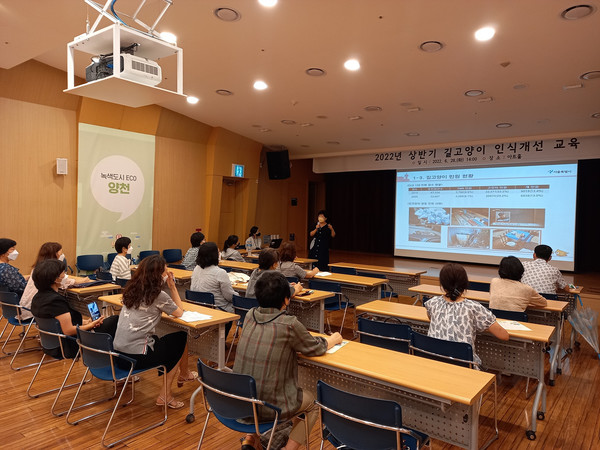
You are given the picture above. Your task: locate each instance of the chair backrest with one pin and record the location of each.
(122, 282)
(4, 288)
(10, 305)
(90, 263)
(200, 298)
(172, 255)
(459, 353)
(110, 258)
(344, 270)
(177, 266)
(146, 253)
(368, 413)
(519, 316)
(292, 279)
(390, 335)
(96, 349)
(217, 385)
(479, 286)
(371, 274)
(328, 286)
(549, 296)
(50, 332)
(241, 305)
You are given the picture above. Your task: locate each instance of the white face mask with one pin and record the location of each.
(165, 278)
(66, 276)
(13, 255)
(130, 250)
(61, 257)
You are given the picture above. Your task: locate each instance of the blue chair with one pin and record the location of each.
(390, 335)
(122, 282)
(479, 286)
(172, 255)
(371, 274)
(519, 316)
(458, 353)
(353, 421)
(106, 364)
(200, 298)
(177, 266)
(11, 311)
(231, 397)
(241, 305)
(89, 263)
(333, 304)
(53, 344)
(292, 279)
(109, 260)
(146, 253)
(343, 270)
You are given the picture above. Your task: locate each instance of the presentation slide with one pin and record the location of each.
(483, 214)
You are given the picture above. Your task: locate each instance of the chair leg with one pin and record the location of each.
(95, 402)
(18, 351)
(204, 428)
(237, 327)
(63, 386)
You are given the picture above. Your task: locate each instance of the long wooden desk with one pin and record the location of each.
(78, 298)
(553, 314)
(243, 266)
(522, 355)
(358, 289)
(309, 309)
(305, 263)
(437, 398)
(399, 279)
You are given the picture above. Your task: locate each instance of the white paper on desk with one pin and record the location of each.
(322, 274)
(193, 316)
(513, 325)
(236, 277)
(336, 347)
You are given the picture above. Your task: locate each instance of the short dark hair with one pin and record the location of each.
(267, 257)
(231, 240)
(196, 239)
(46, 272)
(122, 242)
(287, 252)
(208, 255)
(324, 212)
(543, 251)
(454, 280)
(511, 268)
(5, 244)
(271, 289)
(253, 230)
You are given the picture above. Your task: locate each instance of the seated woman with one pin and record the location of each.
(143, 304)
(268, 260)
(120, 267)
(267, 351)
(209, 277)
(189, 260)
(229, 252)
(48, 250)
(47, 303)
(455, 318)
(10, 277)
(254, 241)
(287, 266)
(508, 293)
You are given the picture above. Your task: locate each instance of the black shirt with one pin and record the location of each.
(49, 304)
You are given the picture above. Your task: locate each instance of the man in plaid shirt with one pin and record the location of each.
(267, 351)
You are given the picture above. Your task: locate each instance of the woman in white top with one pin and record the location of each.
(229, 252)
(120, 267)
(49, 250)
(254, 241)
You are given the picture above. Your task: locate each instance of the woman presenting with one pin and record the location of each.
(319, 246)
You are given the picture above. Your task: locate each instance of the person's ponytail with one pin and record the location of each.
(453, 280)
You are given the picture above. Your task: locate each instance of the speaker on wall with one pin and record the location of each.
(278, 163)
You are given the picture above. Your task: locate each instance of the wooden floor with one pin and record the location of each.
(572, 419)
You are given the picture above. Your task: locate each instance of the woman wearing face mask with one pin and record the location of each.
(120, 265)
(47, 303)
(10, 277)
(49, 250)
(143, 303)
(254, 241)
(319, 246)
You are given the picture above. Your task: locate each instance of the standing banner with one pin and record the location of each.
(115, 189)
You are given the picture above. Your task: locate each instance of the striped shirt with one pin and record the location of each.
(189, 260)
(120, 268)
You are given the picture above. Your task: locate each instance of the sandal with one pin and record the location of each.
(173, 404)
(191, 377)
(251, 444)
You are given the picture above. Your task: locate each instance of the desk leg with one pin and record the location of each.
(322, 316)
(555, 363)
(540, 395)
(493, 438)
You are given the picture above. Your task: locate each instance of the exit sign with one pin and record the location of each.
(237, 170)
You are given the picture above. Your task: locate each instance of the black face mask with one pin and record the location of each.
(257, 234)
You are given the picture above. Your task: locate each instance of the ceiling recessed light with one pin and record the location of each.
(168, 37)
(595, 115)
(413, 134)
(485, 34)
(572, 86)
(577, 12)
(333, 142)
(315, 72)
(354, 117)
(352, 64)
(591, 75)
(365, 139)
(473, 92)
(227, 14)
(321, 117)
(192, 100)
(306, 124)
(373, 108)
(288, 122)
(260, 85)
(503, 125)
(268, 3)
(431, 46)
(414, 109)
(520, 86)
(265, 130)
(224, 92)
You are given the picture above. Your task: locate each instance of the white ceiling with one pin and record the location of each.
(545, 52)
